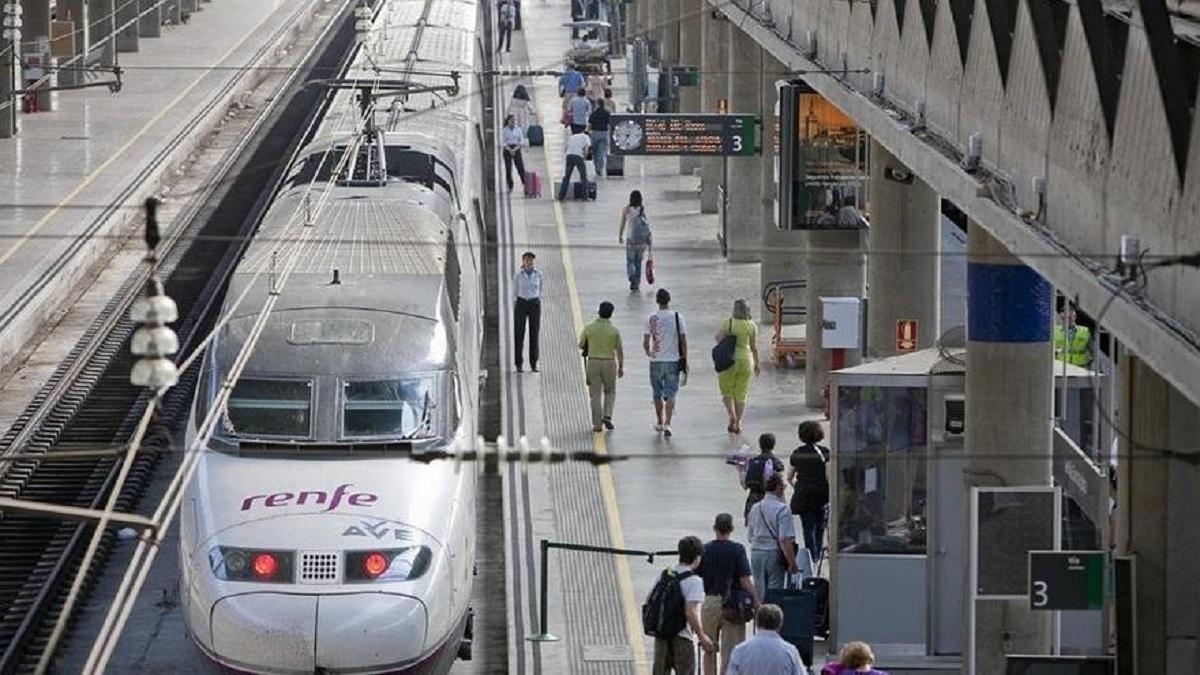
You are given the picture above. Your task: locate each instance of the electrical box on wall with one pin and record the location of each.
(956, 414)
(841, 323)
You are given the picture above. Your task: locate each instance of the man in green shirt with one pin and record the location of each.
(600, 343)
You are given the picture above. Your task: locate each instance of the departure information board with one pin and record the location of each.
(678, 134)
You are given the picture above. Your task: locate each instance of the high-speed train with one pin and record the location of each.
(313, 537)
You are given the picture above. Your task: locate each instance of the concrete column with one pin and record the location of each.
(744, 215)
(189, 6)
(667, 27)
(1156, 515)
(35, 33)
(903, 273)
(690, 54)
(150, 25)
(782, 250)
(713, 85)
(128, 32)
(1008, 416)
(8, 87)
(834, 264)
(103, 22)
(76, 11)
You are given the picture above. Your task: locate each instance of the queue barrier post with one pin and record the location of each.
(544, 634)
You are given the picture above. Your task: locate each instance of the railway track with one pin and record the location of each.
(89, 404)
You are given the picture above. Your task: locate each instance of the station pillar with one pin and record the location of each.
(782, 250)
(103, 23)
(128, 30)
(713, 86)
(666, 26)
(834, 267)
(36, 40)
(1158, 482)
(10, 54)
(903, 278)
(690, 54)
(744, 177)
(150, 25)
(1009, 417)
(76, 11)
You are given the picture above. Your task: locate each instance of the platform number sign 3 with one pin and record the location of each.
(1039, 597)
(1067, 580)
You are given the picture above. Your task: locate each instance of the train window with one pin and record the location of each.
(393, 408)
(279, 408)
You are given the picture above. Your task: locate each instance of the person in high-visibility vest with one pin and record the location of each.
(1072, 343)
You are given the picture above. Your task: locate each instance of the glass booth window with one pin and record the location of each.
(882, 450)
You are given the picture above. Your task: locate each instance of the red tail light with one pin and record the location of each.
(375, 564)
(265, 566)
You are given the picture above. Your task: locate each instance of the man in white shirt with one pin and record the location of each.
(577, 146)
(665, 343)
(766, 653)
(677, 653)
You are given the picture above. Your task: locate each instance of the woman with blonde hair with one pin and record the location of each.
(735, 380)
(856, 657)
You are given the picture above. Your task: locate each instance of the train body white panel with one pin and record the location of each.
(314, 537)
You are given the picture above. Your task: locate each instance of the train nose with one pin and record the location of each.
(266, 631)
(274, 632)
(364, 630)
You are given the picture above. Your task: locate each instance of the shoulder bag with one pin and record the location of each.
(722, 354)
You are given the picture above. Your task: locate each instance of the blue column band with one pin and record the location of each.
(1007, 303)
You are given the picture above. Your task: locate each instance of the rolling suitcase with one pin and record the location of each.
(536, 135)
(615, 165)
(533, 184)
(799, 616)
(583, 191)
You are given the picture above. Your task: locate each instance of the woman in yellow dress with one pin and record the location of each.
(735, 380)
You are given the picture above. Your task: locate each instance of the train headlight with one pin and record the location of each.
(396, 564)
(241, 564)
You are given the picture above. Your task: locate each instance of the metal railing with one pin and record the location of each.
(544, 634)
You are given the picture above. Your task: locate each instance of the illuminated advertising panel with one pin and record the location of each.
(823, 163)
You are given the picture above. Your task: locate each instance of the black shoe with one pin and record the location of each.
(534, 368)
(607, 422)
(519, 368)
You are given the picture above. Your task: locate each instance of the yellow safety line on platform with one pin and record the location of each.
(608, 486)
(31, 232)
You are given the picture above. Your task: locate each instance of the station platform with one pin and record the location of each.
(656, 490)
(72, 182)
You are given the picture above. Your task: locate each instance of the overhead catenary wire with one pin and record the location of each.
(147, 547)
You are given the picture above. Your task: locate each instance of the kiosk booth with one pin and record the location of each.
(898, 506)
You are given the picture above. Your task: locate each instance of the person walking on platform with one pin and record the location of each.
(598, 124)
(639, 244)
(577, 147)
(810, 487)
(855, 658)
(772, 539)
(677, 653)
(725, 570)
(600, 344)
(513, 138)
(507, 19)
(609, 102)
(735, 381)
(767, 653)
(665, 343)
(569, 82)
(528, 310)
(759, 469)
(579, 109)
(521, 107)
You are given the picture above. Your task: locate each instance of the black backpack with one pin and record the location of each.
(756, 470)
(664, 613)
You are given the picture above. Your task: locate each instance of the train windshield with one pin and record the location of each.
(274, 408)
(401, 408)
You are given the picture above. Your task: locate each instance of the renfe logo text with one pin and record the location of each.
(313, 497)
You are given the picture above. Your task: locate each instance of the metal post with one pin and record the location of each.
(723, 206)
(10, 15)
(544, 634)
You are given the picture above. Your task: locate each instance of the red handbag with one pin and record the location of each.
(650, 270)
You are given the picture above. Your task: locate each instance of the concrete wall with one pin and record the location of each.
(1035, 93)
